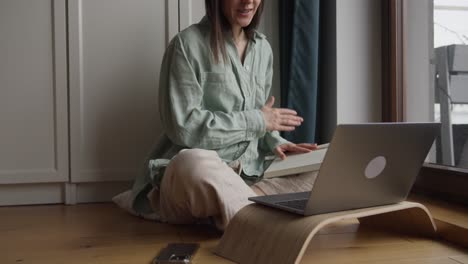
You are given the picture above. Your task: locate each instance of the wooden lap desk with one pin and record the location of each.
(259, 234)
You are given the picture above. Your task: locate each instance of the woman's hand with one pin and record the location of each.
(293, 148)
(280, 119)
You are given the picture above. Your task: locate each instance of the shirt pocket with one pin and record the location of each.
(261, 93)
(220, 92)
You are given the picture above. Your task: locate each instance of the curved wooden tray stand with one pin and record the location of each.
(258, 234)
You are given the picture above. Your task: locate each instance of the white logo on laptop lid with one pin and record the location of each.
(375, 167)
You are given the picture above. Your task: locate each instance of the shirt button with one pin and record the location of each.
(247, 67)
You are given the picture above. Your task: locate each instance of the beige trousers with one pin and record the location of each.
(197, 184)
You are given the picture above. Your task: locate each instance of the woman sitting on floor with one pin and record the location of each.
(219, 124)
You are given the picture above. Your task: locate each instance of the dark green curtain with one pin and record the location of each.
(299, 47)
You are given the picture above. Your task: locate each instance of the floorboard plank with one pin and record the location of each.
(102, 233)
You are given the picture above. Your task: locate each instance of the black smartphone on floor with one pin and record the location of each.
(176, 253)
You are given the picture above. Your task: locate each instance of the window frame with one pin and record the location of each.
(392, 61)
(444, 182)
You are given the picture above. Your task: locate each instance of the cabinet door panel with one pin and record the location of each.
(33, 92)
(116, 48)
(191, 11)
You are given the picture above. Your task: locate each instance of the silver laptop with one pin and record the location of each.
(365, 165)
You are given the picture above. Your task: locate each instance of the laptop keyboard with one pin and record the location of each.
(296, 204)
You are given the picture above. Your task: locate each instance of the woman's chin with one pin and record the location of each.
(244, 22)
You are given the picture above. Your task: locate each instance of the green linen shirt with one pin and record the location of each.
(210, 105)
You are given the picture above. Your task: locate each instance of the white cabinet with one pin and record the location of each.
(33, 92)
(78, 105)
(115, 48)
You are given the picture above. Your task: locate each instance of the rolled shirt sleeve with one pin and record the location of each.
(271, 140)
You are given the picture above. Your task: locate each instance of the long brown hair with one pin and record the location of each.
(219, 24)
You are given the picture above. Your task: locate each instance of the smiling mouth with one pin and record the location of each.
(245, 11)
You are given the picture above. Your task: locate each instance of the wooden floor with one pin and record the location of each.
(102, 233)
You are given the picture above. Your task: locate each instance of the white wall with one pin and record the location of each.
(358, 38)
(191, 11)
(351, 58)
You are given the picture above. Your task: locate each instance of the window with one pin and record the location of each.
(417, 37)
(450, 27)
